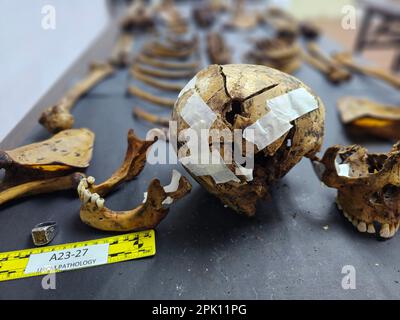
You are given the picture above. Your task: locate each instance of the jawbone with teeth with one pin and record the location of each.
(146, 216)
(368, 186)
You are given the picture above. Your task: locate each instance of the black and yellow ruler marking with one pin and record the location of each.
(125, 247)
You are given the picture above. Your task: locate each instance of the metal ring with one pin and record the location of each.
(43, 233)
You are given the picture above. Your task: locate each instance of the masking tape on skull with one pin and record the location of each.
(197, 113)
(189, 86)
(217, 169)
(283, 110)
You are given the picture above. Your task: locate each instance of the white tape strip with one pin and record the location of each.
(283, 110)
(266, 130)
(242, 171)
(197, 113)
(217, 169)
(343, 170)
(189, 86)
(172, 187)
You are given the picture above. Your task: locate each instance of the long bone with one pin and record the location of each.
(58, 117)
(346, 60)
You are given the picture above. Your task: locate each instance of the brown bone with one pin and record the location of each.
(133, 164)
(166, 64)
(217, 50)
(58, 117)
(154, 82)
(146, 216)
(366, 116)
(43, 166)
(137, 92)
(152, 118)
(120, 55)
(346, 60)
(368, 186)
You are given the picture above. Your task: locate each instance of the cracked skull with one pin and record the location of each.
(257, 123)
(368, 186)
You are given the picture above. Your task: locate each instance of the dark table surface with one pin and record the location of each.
(204, 250)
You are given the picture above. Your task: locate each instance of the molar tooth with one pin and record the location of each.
(338, 205)
(385, 231)
(371, 228)
(91, 180)
(355, 222)
(397, 225)
(100, 203)
(362, 226)
(94, 197)
(84, 183)
(86, 196)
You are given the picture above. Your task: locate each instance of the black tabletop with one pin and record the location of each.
(295, 246)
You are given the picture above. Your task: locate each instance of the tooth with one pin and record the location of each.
(371, 228)
(362, 226)
(84, 183)
(91, 180)
(100, 203)
(355, 222)
(385, 231)
(338, 205)
(86, 196)
(397, 226)
(94, 197)
(345, 214)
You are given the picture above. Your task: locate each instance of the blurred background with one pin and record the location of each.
(35, 54)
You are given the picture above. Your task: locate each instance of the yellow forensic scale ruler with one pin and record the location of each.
(72, 256)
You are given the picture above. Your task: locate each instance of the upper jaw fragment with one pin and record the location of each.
(368, 186)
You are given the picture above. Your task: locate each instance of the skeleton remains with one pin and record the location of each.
(363, 116)
(58, 117)
(368, 186)
(272, 111)
(46, 166)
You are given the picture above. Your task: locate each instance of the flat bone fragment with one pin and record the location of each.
(366, 116)
(68, 149)
(133, 164)
(160, 73)
(45, 166)
(163, 102)
(121, 54)
(58, 117)
(147, 215)
(346, 60)
(150, 117)
(368, 190)
(166, 64)
(163, 85)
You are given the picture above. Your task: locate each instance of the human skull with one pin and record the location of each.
(276, 115)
